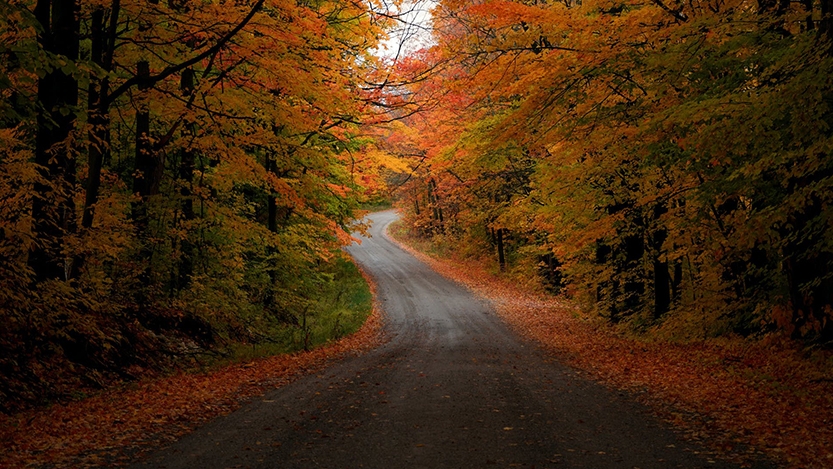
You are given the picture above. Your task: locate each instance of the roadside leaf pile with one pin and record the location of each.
(666, 163)
(113, 427)
(737, 396)
(176, 178)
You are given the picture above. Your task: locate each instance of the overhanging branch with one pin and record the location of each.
(168, 71)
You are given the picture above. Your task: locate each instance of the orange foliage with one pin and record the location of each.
(111, 427)
(737, 396)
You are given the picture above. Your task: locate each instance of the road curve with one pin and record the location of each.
(453, 388)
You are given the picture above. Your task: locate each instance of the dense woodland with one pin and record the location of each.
(177, 178)
(665, 163)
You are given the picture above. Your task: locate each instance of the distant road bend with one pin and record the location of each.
(454, 388)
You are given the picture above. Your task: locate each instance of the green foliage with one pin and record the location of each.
(333, 304)
(671, 170)
(192, 197)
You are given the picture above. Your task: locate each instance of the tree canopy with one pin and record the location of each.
(174, 176)
(666, 164)
(178, 177)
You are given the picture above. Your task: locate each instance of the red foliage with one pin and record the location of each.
(113, 427)
(737, 396)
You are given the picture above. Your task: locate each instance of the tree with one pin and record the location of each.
(183, 183)
(53, 207)
(662, 135)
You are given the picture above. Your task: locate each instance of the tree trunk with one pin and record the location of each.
(146, 174)
(53, 209)
(826, 21)
(501, 255)
(145, 178)
(99, 122)
(662, 288)
(634, 286)
(186, 178)
(807, 264)
(434, 200)
(272, 202)
(662, 277)
(101, 53)
(808, 21)
(811, 289)
(676, 281)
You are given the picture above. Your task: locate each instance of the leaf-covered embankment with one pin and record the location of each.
(113, 427)
(175, 180)
(730, 393)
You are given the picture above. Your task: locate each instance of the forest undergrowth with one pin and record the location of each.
(115, 426)
(741, 397)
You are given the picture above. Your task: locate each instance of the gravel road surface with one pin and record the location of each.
(453, 388)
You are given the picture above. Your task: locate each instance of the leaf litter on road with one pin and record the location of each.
(740, 397)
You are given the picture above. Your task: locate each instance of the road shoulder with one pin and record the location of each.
(746, 400)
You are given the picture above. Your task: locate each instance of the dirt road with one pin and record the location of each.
(453, 388)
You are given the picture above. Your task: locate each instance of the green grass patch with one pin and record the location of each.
(376, 205)
(338, 303)
(435, 246)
